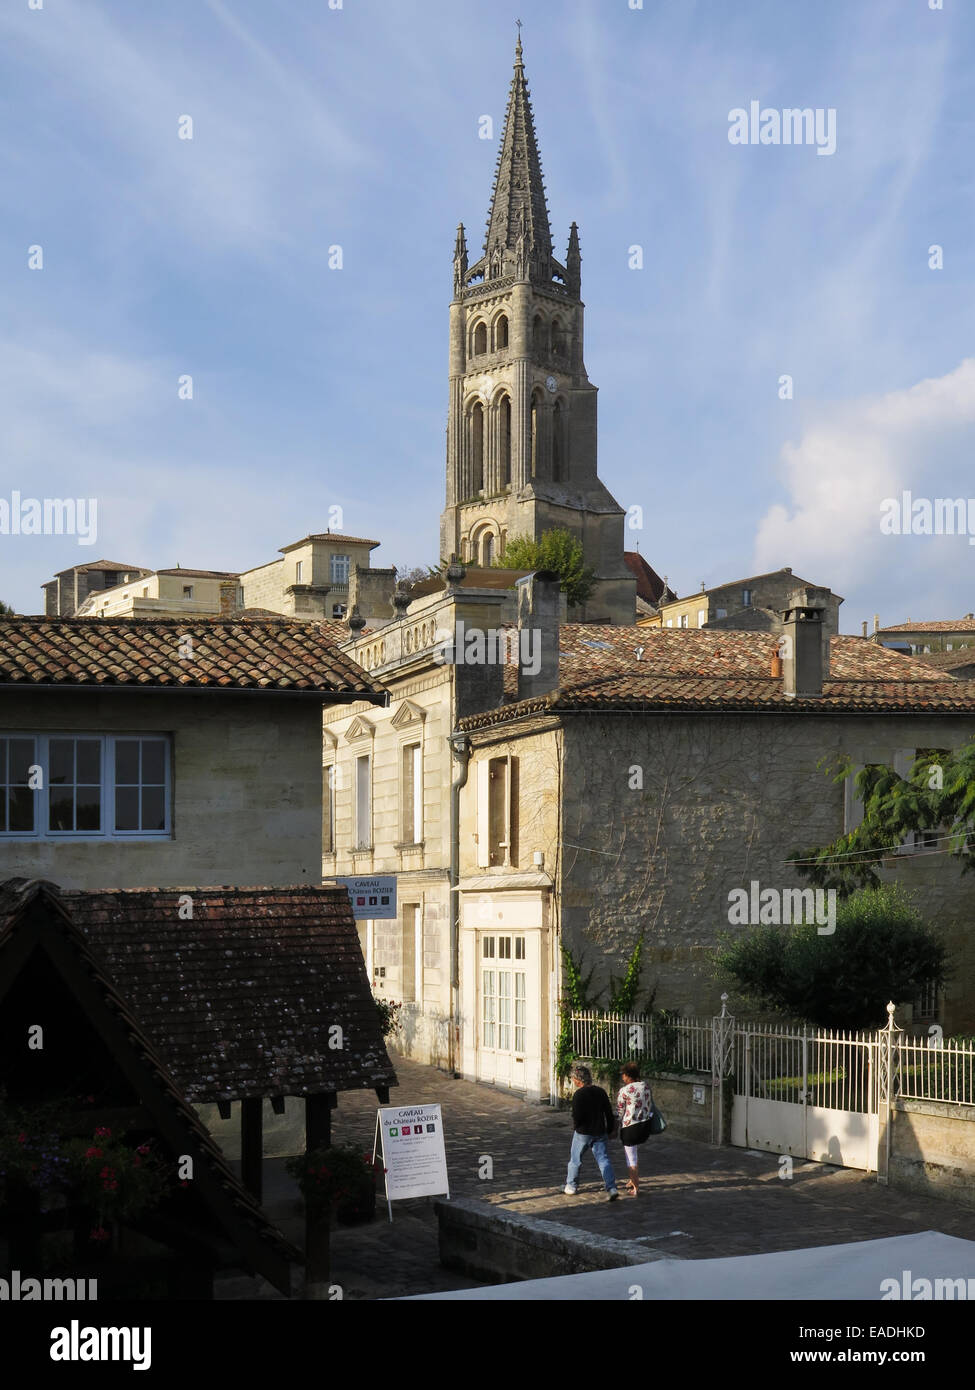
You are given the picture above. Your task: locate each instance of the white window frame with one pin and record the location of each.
(339, 569)
(411, 781)
(299, 566)
(363, 804)
(107, 774)
(702, 616)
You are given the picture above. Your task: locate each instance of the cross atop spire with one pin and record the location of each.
(518, 221)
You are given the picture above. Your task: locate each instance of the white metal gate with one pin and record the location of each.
(811, 1093)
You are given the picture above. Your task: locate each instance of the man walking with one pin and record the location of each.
(593, 1122)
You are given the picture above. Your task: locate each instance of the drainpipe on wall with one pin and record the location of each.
(460, 746)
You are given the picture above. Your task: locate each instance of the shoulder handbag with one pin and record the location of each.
(657, 1122)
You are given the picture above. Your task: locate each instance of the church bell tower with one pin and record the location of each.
(521, 424)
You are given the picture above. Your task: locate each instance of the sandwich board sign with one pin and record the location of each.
(373, 897)
(410, 1141)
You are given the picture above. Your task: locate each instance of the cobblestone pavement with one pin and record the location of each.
(696, 1202)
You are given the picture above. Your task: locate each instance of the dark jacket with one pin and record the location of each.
(591, 1111)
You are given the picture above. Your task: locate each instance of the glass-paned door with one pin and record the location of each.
(503, 1003)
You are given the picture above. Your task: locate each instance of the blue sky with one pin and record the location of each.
(359, 127)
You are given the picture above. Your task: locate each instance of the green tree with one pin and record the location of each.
(559, 551)
(6, 611)
(938, 796)
(881, 950)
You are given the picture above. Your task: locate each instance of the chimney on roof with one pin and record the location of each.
(864, 627)
(876, 622)
(803, 644)
(540, 611)
(228, 597)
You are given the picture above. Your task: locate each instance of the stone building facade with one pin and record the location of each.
(68, 590)
(662, 771)
(174, 593)
(211, 774)
(752, 604)
(311, 580)
(521, 422)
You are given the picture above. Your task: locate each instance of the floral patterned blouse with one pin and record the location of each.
(634, 1104)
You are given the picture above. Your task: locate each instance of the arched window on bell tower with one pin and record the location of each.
(558, 338)
(558, 441)
(480, 340)
(501, 334)
(538, 334)
(477, 448)
(504, 439)
(487, 551)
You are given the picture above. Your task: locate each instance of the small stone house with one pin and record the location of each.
(166, 752)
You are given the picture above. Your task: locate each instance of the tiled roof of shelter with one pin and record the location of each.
(63, 917)
(637, 668)
(273, 656)
(241, 999)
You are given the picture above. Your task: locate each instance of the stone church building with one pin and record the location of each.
(521, 421)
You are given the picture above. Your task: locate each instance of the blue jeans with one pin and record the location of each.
(596, 1142)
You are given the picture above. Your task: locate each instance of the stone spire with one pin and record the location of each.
(518, 220)
(573, 263)
(460, 259)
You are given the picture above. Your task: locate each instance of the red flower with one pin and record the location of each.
(102, 1133)
(93, 1153)
(21, 1138)
(99, 1233)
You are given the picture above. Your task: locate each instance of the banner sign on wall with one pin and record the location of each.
(372, 898)
(410, 1140)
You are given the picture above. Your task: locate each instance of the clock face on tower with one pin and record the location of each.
(551, 384)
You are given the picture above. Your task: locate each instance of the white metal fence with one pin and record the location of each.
(828, 1068)
(775, 1061)
(683, 1042)
(933, 1068)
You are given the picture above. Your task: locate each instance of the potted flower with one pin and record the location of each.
(339, 1178)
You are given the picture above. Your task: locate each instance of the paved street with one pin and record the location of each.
(696, 1202)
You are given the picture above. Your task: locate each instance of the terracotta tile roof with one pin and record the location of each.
(649, 585)
(966, 624)
(338, 537)
(239, 1000)
(949, 661)
(103, 565)
(273, 656)
(17, 898)
(199, 574)
(693, 668)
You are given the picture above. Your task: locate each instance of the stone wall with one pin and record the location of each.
(246, 781)
(493, 1244)
(665, 814)
(933, 1149)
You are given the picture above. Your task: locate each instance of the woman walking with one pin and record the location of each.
(634, 1106)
